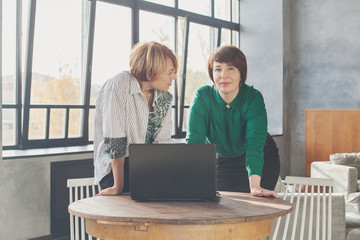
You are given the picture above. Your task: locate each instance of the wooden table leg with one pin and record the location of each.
(150, 231)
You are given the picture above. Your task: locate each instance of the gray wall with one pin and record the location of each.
(320, 64)
(1, 168)
(262, 41)
(25, 196)
(324, 64)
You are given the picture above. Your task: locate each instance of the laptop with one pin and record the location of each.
(172, 172)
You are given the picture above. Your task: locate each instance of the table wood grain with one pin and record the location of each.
(235, 215)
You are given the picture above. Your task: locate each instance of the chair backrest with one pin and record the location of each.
(80, 188)
(312, 204)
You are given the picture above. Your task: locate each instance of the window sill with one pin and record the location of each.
(56, 151)
(45, 152)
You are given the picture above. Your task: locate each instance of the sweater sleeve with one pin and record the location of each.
(256, 131)
(198, 120)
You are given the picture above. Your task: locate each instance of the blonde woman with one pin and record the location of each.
(132, 107)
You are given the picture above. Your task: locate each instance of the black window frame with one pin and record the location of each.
(23, 106)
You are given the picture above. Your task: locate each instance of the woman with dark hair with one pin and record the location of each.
(232, 115)
(132, 107)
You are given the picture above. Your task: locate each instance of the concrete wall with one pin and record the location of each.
(25, 196)
(324, 64)
(320, 61)
(1, 167)
(261, 40)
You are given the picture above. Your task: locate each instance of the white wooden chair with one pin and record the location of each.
(312, 207)
(80, 188)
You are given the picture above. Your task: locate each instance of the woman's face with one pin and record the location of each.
(226, 78)
(164, 80)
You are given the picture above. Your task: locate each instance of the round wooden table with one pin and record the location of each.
(232, 216)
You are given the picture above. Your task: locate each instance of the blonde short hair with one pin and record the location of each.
(148, 60)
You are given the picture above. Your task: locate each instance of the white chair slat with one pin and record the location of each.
(80, 188)
(296, 214)
(82, 228)
(287, 221)
(87, 189)
(330, 214)
(81, 192)
(93, 190)
(303, 215)
(278, 220)
(71, 216)
(77, 234)
(314, 219)
(76, 193)
(71, 226)
(318, 214)
(82, 219)
(324, 214)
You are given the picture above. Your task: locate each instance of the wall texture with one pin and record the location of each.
(25, 196)
(319, 45)
(261, 40)
(324, 64)
(1, 167)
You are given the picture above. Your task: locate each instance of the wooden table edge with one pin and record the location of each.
(191, 221)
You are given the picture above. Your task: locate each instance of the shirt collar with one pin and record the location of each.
(233, 105)
(135, 88)
(134, 85)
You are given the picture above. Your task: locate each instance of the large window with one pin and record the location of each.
(57, 54)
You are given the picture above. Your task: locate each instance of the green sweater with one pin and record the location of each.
(235, 131)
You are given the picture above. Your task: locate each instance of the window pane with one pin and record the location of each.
(74, 123)
(8, 51)
(157, 27)
(222, 9)
(202, 41)
(8, 127)
(37, 124)
(229, 37)
(198, 6)
(225, 36)
(112, 44)
(180, 46)
(57, 123)
(185, 121)
(235, 38)
(91, 124)
(169, 3)
(235, 11)
(58, 53)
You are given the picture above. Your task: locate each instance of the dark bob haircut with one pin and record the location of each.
(230, 55)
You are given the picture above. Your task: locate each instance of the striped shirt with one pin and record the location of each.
(122, 117)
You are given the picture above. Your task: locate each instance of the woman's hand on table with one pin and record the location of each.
(257, 190)
(110, 191)
(262, 192)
